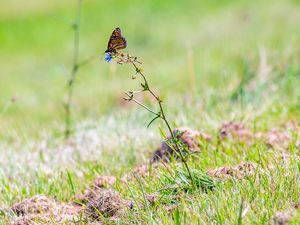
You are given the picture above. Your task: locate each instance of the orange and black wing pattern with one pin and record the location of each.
(116, 41)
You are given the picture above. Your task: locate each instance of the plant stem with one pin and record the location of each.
(75, 66)
(163, 117)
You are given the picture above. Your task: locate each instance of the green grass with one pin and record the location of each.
(36, 53)
(224, 43)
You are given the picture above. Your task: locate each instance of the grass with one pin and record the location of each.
(245, 59)
(44, 58)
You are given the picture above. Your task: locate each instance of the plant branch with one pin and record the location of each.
(131, 98)
(75, 66)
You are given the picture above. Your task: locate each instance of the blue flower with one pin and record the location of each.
(108, 57)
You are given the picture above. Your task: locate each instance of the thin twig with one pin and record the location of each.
(75, 66)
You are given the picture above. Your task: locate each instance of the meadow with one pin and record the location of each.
(227, 69)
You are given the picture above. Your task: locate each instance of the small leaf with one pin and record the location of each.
(153, 120)
(240, 218)
(162, 133)
(146, 87)
(177, 217)
(71, 181)
(130, 96)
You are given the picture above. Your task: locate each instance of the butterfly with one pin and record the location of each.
(116, 41)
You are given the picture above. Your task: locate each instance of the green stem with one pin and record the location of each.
(75, 66)
(163, 117)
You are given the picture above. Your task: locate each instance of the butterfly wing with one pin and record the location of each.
(116, 41)
(116, 32)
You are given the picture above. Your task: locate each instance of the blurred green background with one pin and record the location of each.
(207, 50)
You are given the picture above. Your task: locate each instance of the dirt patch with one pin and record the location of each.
(275, 138)
(35, 205)
(104, 181)
(190, 139)
(281, 136)
(41, 209)
(95, 205)
(99, 184)
(235, 130)
(284, 218)
(141, 170)
(240, 171)
(107, 203)
(101, 204)
(88, 195)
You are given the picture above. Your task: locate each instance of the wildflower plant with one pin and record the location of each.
(174, 142)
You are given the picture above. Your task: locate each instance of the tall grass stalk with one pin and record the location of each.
(75, 66)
